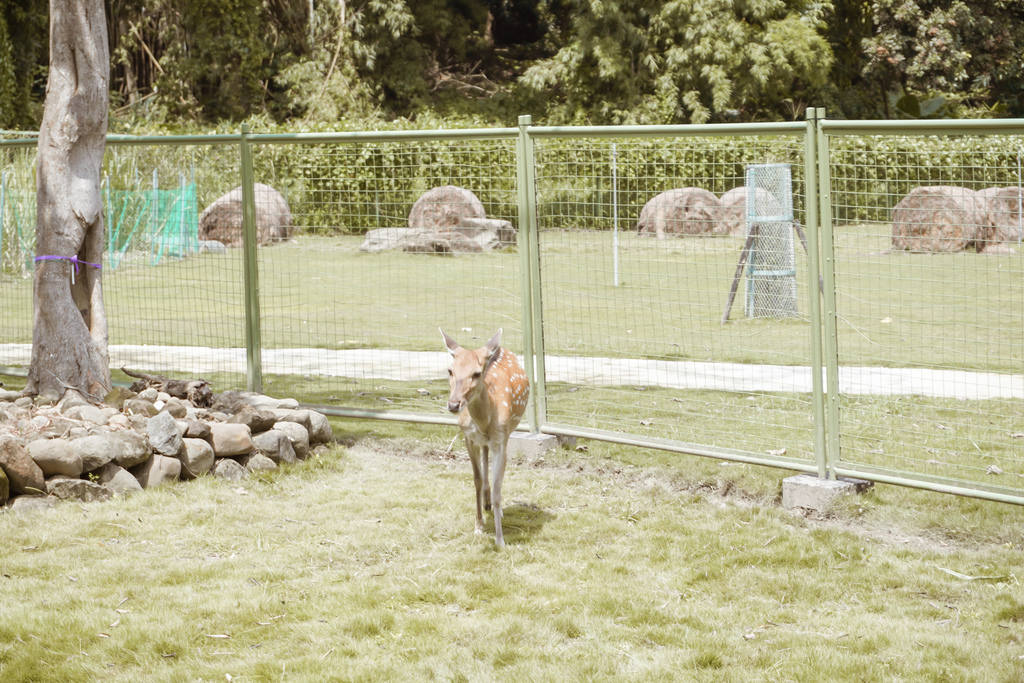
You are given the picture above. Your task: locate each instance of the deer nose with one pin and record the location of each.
(454, 406)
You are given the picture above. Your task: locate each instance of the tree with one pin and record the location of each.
(69, 339)
(22, 50)
(945, 47)
(686, 60)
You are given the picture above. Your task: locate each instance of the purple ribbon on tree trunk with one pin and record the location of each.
(74, 259)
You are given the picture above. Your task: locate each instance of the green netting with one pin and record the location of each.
(141, 225)
(160, 223)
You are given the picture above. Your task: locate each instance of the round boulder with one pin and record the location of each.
(221, 221)
(939, 219)
(445, 207)
(733, 218)
(683, 211)
(1004, 219)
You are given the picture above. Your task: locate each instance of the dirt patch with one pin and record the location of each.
(721, 493)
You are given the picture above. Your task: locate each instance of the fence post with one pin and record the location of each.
(831, 359)
(250, 266)
(814, 273)
(529, 260)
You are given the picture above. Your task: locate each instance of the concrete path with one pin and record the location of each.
(411, 366)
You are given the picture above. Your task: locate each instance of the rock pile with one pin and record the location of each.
(76, 450)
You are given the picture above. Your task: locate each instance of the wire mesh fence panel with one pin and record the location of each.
(17, 249)
(639, 245)
(929, 317)
(391, 241)
(174, 299)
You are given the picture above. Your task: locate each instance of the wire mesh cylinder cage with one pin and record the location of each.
(771, 265)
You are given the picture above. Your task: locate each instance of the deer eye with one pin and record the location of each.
(476, 375)
(450, 372)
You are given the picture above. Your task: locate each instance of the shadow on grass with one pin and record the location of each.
(522, 521)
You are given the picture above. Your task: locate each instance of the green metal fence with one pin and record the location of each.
(627, 337)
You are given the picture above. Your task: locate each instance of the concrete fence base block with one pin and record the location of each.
(807, 492)
(531, 445)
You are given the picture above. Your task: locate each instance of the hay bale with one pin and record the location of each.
(445, 207)
(938, 219)
(1003, 211)
(222, 220)
(733, 218)
(683, 211)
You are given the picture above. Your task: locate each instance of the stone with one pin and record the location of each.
(230, 439)
(196, 458)
(228, 469)
(301, 417)
(23, 473)
(257, 462)
(276, 445)
(197, 429)
(212, 247)
(32, 503)
(163, 434)
(56, 457)
(5, 487)
(139, 406)
(71, 402)
(445, 207)
(733, 219)
(940, 218)
(810, 493)
(68, 488)
(95, 450)
(158, 470)
(119, 480)
(149, 394)
(683, 211)
(257, 420)
(131, 448)
(221, 221)
(176, 408)
(320, 428)
(116, 397)
(119, 421)
(297, 435)
(1004, 220)
(48, 398)
(530, 444)
(87, 413)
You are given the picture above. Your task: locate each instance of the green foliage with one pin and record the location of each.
(969, 53)
(23, 56)
(697, 61)
(8, 82)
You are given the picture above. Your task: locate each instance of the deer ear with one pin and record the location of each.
(494, 343)
(450, 343)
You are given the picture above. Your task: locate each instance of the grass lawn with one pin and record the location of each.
(623, 565)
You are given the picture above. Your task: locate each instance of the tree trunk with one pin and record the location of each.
(69, 342)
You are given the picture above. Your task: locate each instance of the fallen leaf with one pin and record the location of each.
(993, 469)
(780, 451)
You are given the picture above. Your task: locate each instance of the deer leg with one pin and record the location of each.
(487, 479)
(479, 476)
(499, 475)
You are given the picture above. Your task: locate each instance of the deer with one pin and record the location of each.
(488, 391)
